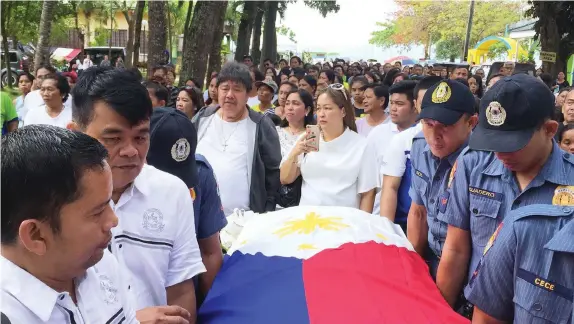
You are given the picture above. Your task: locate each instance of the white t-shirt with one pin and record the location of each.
(378, 140)
(342, 169)
(363, 127)
(102, 296)
(394, 162)
(39, 116)
(225, 146)
(34, 100)
(155, 240)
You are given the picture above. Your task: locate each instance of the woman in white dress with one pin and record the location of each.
(54, 90)
(342, 172)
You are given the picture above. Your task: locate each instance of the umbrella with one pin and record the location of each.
(405, 60)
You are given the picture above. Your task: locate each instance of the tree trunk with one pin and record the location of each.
(138, 31)
(549, 37)
(257, 24)
(244, 31)
(196, 50)
(130, 45)
(42, 55)
(157, 34)
(269, 33)
(215, 53)
(6, 12)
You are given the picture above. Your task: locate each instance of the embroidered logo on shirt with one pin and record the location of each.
(495, 114)
(180, 150)
(442, 93)
(108, 289)
(563, 196)
(451, 176)
(153, 220)
(421, 175)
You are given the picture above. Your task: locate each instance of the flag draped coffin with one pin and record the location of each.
(323, 265)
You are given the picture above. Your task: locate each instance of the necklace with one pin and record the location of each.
(294, 131)
(223, 139)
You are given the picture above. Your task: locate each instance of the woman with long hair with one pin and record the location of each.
(212, 100)
(342, 172)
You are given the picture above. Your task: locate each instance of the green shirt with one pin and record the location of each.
(8, 111)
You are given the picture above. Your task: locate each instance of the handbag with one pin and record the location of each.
(290, 195)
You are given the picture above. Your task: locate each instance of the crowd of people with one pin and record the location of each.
(101, 177)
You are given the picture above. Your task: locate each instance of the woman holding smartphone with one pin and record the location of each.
(334, 161)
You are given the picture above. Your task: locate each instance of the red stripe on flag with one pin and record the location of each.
(372, 283)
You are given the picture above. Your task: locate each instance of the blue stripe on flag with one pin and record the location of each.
(236, 298)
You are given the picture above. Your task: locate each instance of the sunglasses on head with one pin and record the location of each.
(339, 87)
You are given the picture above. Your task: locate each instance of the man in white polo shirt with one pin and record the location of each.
(56, 223)
(155, 240)
(396, 169)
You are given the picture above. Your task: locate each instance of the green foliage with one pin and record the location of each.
(497, 50)
(444, 23)
(102, 35)
(324, 7)
(286, 31)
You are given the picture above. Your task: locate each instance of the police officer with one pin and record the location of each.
(173, 140)
(512, 161)
(447, 115)
(527, 272)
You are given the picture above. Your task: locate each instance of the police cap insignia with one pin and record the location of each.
(495, 114)
(442, 93)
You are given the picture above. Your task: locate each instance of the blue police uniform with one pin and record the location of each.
(484, 191)
(209, 216)
(430, 179)
(445, 102)
(527, 272)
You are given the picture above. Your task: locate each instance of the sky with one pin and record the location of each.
(346, 32)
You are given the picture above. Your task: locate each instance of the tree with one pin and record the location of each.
(269, 49)
(435, 22)
(214, 64)
(140, 6)
(195, 52)
(6, 8)
(257, 30)
(555, 30)
(245, 29)
(324, 7)
(286, 31)
(157, 34)
(129, 15)
(42, 54)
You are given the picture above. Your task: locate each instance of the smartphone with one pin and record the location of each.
(313, 136)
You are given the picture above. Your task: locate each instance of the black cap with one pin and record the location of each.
(446, 102)
(173, 140)
(510, 112)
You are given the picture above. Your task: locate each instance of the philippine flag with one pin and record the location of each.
(323, 265)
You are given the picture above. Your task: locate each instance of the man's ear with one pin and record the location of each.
(73, 126)
(32, 235)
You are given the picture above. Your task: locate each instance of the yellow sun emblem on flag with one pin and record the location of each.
(306, 246)
(382, 237)
(309, 224)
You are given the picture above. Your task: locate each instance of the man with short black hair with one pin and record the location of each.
(447, 117)
(313, 71)
(56, 227)
(241, 145)
(459, 72)
(158, 94)
(156, 240)
(417, 70)
(402, 114)
(376, 100)
(268, 64)
(396, 168)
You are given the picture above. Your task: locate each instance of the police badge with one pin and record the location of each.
(442, 93)
(495, 114)
(180, 150)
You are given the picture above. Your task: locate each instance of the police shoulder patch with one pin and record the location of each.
(452, 172)
(492, 239)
